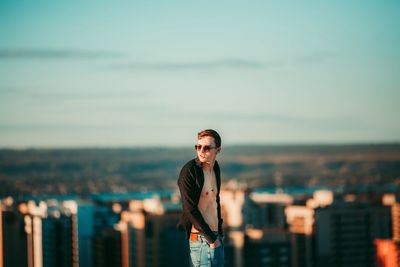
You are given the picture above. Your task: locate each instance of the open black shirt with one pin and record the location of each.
(190, 182)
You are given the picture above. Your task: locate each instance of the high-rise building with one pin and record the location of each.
(13, 238)
(42, 234)
(345, 234)
(106, 240)
(267, 240)
(33, 228)
(107, 248)
(148, 232)
(265, 210)
(1, 235)
(267, 248)
(86, 233)
(328, 234)
(232, 201)
(395, 210)
(387, 253)
(60, 234)
(301, 227)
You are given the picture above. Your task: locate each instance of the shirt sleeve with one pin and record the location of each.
(220, 220)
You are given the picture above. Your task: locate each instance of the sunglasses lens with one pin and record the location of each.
(205, 148)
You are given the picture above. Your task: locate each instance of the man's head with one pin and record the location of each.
(208, 145)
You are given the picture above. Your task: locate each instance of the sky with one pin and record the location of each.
(107, 74)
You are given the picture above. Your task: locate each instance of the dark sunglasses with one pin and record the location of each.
(205, 148)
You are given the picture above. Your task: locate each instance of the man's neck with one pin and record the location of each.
(208, 166)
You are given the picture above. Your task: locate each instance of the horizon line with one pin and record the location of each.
(232, 145)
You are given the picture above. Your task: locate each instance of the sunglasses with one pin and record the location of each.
(205, 148)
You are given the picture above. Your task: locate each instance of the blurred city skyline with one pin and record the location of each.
(153, 74)
(261, 228)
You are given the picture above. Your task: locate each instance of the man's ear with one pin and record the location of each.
(218, 149)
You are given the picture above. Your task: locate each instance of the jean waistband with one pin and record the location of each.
(214, 232)
(202, 238)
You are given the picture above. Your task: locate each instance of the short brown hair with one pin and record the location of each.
(212, 133)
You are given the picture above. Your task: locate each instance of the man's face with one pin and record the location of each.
(206, 149)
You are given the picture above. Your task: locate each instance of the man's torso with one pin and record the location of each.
(207, 203)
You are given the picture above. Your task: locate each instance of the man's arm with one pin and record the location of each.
(187, 187)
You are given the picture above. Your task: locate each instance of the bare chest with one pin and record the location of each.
(210, 185)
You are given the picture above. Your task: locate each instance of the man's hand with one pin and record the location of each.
(216, 244)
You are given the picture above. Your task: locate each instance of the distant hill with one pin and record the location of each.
(82, 171)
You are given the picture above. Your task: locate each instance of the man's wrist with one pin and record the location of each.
(216, 244)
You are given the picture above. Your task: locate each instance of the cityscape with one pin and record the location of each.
(265, 223)
(102, 104)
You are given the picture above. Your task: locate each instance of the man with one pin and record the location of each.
(199, 183)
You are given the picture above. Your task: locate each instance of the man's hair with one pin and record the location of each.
(212, 133)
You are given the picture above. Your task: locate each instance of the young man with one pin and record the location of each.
(199, 183)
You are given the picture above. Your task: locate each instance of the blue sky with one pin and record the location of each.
(133, 74)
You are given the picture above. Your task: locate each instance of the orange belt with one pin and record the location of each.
(194, 236)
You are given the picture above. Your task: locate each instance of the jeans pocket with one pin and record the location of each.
(195, 252)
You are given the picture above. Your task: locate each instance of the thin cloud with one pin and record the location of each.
(249, 117)
(197, 65)
(8, 90)
(39, 127)
(227, 63)
(328, 123)
(33, 93)
(54, 54)
(321, 125)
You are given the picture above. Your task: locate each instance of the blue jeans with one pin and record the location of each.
(203, 256)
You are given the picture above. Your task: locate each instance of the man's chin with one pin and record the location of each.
(203, 160)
